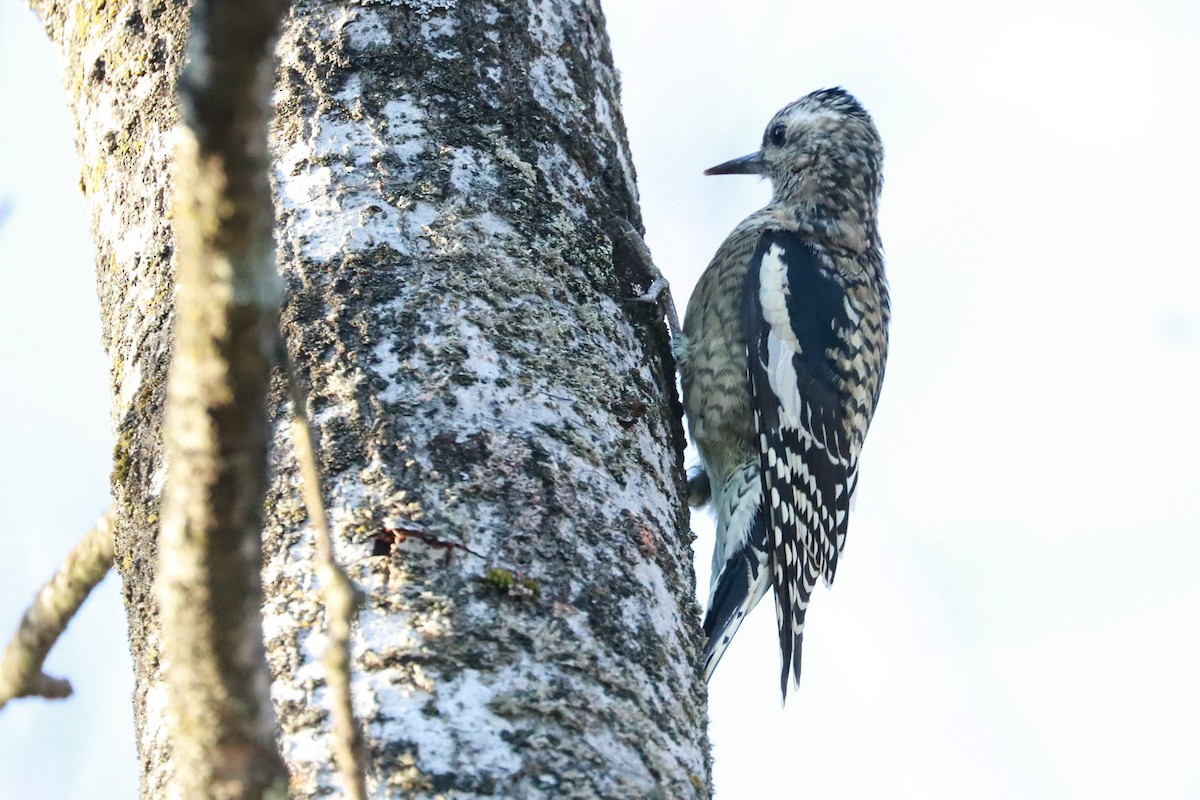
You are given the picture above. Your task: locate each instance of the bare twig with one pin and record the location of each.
(21, 668)
(341, 602)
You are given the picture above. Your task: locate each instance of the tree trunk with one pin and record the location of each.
(498, 428)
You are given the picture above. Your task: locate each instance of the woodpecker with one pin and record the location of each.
(782, 358)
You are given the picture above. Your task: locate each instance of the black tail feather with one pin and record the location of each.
(740, 585)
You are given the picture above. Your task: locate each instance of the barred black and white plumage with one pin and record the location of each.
(785, 341)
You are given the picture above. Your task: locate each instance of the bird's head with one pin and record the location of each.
(825, 161)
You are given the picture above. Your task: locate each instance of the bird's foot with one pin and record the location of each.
(629, 244)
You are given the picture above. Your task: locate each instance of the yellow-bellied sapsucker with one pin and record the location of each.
(782, 359)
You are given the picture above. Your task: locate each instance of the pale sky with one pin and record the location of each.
(1017, 610)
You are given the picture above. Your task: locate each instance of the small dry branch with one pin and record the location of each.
(341, 603)
(54, 606)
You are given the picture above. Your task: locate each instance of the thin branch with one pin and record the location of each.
(54, 606)
(217, 427)
(341, 602)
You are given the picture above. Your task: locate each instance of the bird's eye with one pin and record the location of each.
(776, 135)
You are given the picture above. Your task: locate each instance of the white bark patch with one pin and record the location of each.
(553, 88)
(437, 29)
(339, 153)
(551, 84)
(450, 728)
(158, 480)
(473, 172)
(129, 243)
(156, 713)
(365, 30)
(388, 364)
(568, 184)
(130, 380)
(426, 7)
(330, 220)
(660, 611)
(405, 120)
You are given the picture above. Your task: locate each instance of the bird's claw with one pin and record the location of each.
(626, 238)
(656, 292)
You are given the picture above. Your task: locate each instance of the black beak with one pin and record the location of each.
(752, 164)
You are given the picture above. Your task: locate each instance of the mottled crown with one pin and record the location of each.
(833, 102)
(825, 158)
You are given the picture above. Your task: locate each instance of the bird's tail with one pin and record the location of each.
(794, 584)
(738, 586)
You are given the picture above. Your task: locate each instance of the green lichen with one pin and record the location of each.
(128, 146)
(513, 585)
(501, 580)
(122, 458)
(91, 179)
(95, 15)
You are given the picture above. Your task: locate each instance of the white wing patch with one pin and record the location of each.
(772, 295)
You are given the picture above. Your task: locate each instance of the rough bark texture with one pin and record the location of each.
(498, 428)
(119, 62)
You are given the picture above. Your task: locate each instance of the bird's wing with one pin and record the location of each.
(796, 318)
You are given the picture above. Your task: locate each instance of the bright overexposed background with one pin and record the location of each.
(1017, 613)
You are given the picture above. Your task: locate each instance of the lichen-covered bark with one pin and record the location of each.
(498, 428)
(120, 60)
